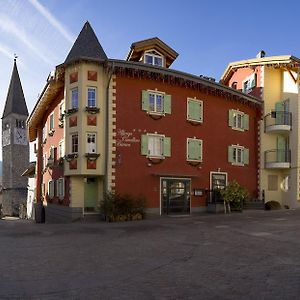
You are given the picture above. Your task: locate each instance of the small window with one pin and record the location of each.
(74, 145)
(51, 122)
(74, 98)
(156, 102)
(194, 150)
(60, 188)
(234, 85)
(238, 120)
(249, 83)
(91, 97)
(61, 149)
(194, 110)
(238, 155)
(154, 145)
(51, 189)
(91, 142)
(153, 58)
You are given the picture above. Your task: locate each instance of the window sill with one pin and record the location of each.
(238, 129)
(70, 157)
(195, 122)
(156, 115)
(92, 110)
(194, 162)
(92, 156)
(238, 164)
(156, 159)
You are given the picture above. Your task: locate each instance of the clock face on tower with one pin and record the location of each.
(6, 137)
(20, 137)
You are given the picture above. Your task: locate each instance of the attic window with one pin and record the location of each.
(153, 58)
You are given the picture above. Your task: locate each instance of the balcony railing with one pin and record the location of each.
(277, 159)
(278, 121)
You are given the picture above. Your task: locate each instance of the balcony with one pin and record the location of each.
(279, 122)
(278, 159)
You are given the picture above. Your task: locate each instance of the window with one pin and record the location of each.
(194, 110)
(155, 145)
(51, 122)
(61, 149)
(20, 123)
(156, 102)
(74, 98)
(194, 150)
(91, 142)
(51, 189)
(238, 155)
(60, 188)
(234, 85)
(74, 145)
(91, 97)
(238, 120)
(153, 58)
(249, 83)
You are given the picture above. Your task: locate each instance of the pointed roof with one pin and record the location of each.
(86, 46)
(15, 100)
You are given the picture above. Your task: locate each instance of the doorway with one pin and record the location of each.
(90, 194)
(175, 196)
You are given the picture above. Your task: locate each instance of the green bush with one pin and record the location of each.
(115, 205)
(234, 195)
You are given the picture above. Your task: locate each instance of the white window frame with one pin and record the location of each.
(153, 56)
(247, 82)
(61, 149)
(156, 94)
(71, 98)
(161, 137)
(60, 188)
(236, 150)
(236, 116)
(53, 125)
(187, 109)
(87, 98)
(51, 189)
(94, 134)
(74, 134)
(187, 150)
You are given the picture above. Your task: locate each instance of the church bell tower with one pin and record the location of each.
(15, 146)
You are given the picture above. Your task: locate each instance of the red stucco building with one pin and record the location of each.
(137, 127)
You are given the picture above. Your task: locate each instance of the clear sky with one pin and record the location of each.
(206, 34)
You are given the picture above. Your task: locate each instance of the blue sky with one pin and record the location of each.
(206, 34)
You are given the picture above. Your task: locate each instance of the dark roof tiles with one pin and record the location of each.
(86, 46)
(15, 100)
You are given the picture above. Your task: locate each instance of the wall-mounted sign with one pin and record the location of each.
(126, 138)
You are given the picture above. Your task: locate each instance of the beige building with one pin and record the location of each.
(274, 80)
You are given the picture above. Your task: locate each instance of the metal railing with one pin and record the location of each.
(277, 156)
(278, 118)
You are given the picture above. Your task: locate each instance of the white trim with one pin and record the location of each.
(71, 98)
(238, 147)
(61, 145)
(217, 172)
(162, 146)
(148, 52)
(156, 93)
(87, 95)
(242, 114)
(86, 141)
(51, 115)
(71, 140)
(175, 178)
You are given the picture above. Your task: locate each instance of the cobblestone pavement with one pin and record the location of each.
(250, 255)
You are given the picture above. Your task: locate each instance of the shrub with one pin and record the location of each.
(234, 195)
(117, 207)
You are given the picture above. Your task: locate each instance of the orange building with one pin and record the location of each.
(135, 126)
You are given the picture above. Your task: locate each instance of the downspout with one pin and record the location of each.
(105, 190)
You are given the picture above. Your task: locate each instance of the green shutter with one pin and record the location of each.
(279, 108)
(281, 147)
(230, 154)
(167, 146)
(230, 117)
(246, 156)
(145, 100)
(167, 104)
(195, 110)
(194, 150)
(246, 122)
(253, 81)
(144, 144)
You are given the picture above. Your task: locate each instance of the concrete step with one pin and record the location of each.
(254, 205)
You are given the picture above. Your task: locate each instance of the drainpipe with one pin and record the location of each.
(105, 190)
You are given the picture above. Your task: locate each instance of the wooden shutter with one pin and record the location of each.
(246, 156)
(230, 154)
(144, 144)
(167, 104)
(195, 111)
(167, 146)
(145, 100)
(194, 149)
(230, 117)
(246, 122)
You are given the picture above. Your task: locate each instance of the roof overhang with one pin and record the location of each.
(284, 61)
(51, 90)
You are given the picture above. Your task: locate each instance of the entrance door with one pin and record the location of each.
(175, 196)
(218, 181)
(90, 194)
